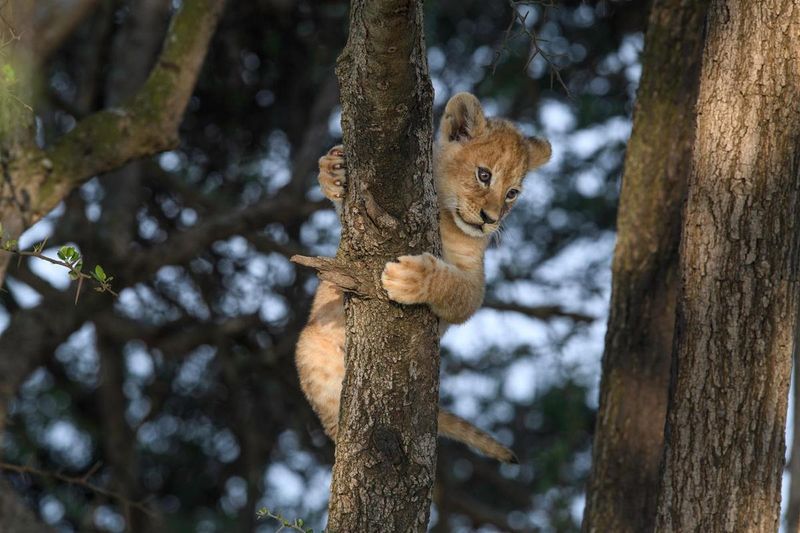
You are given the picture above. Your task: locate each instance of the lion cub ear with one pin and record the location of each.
(539, 152)
(463, 119)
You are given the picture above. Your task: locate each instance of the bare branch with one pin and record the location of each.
(542, 312)
(82, 481)
(186, 245)
(534, 48)
(348, 277)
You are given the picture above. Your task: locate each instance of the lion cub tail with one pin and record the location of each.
(456, 428)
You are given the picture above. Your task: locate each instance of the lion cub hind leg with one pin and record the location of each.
(321, 375)
(320, 356)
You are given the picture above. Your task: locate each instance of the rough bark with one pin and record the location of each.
(738, 301)
(386, 440)
(628, 439)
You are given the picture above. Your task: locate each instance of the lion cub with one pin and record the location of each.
(479, 165)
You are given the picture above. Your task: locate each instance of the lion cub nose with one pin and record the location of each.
(486, 218)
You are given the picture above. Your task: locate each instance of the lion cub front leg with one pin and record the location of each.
(333, 175)
(453, 294)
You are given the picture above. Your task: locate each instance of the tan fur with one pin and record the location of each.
(453, 286)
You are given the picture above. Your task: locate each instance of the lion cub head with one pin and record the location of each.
(480, 164)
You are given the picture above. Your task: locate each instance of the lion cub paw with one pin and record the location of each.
(333, 174)
(407, 281)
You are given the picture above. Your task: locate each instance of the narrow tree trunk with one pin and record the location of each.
(739, 265)
(386, 440)
(628, 440)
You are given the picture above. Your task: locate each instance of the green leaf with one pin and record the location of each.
(99, 273)
(68, 254)
(9, 75)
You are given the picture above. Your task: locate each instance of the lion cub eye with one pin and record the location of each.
(511, 195)
(483, 175)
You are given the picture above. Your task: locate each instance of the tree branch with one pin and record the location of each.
(541, 312)
(186, 245)
(148, 123)
(346, 276)
(82, 481)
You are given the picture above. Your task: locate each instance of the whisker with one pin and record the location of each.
(497, 236)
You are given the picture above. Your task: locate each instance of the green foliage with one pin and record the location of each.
(297, 525)
(68, 257)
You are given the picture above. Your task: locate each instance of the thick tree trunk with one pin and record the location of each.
(623, 486)
(386, 440)
(739, 265)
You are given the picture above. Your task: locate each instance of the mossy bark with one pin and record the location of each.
(737, 306)
(34, 180)
(386, 440)
(628, 440)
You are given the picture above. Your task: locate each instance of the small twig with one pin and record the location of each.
(81, 481)
(80, 275)
(70, 259)
(89, 473)
(14, 35)
(535, 48)
(348, 277)
(297, 525)
(543, 312)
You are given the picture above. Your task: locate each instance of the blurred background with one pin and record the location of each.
(181, 393)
